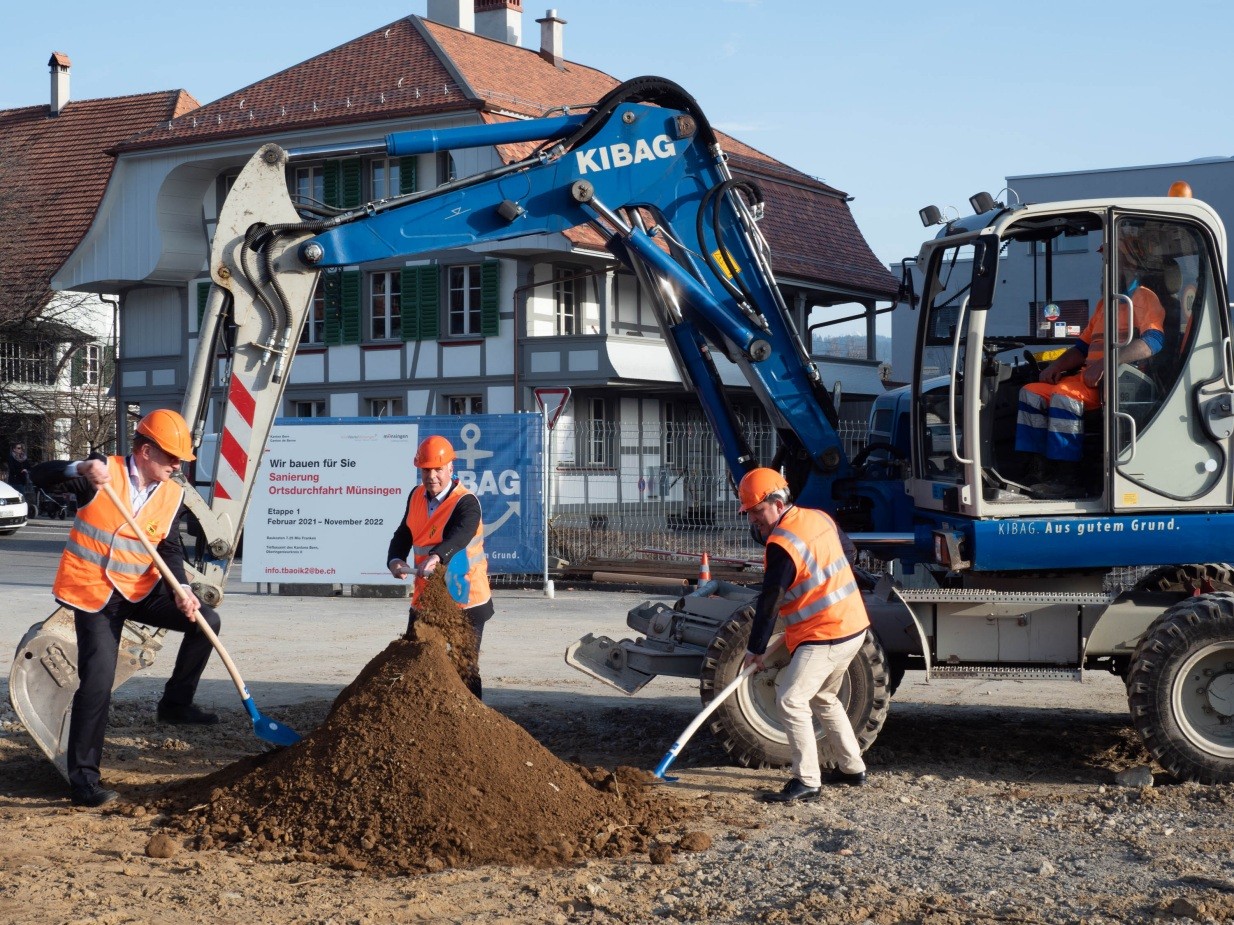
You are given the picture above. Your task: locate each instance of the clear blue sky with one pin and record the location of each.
(900, 104)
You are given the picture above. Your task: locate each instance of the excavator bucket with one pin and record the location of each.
(44, 677)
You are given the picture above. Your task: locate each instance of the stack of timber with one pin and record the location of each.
(667, 574)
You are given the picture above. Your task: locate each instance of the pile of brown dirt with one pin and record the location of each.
(410, 772)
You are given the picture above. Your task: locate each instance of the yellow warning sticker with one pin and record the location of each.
(1049, 356)
(1131, 499)
(726, 263)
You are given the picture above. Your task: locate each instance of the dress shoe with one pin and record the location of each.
(793, 792)
(93, 797)
(857, 779)
(187, 715)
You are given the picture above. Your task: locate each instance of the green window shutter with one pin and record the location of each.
(108, 371)
(421, 302)
(428, 294)
(350, 174)
(332, 289)
(408, 280)
(490, 290)
(349, 317)
(331, 183)
(78, 372)
(407, 175)
(203, 295)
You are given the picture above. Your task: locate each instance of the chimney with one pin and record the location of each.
(550, 38)
(461, 14)
(501, 20)
(59, 64)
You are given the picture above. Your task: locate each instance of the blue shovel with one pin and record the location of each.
(265, 728)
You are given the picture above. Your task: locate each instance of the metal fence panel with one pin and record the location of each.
(620, 488)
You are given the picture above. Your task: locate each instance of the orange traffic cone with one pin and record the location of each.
(704, 570)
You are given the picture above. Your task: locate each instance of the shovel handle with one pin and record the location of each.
(671, 755)
(179, 589)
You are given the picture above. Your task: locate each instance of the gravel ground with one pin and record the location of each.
(973, 813)
(987, 802)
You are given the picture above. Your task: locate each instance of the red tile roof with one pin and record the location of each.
(515, 79)
(415, 67)
(390, 72)
(812, 232)
(53, 171)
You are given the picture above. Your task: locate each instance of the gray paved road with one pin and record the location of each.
(294, 648)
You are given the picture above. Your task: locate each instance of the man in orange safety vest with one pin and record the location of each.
(442, 522)
(107, 577)
(808, 581)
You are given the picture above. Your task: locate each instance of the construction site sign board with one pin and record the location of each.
(330, 493)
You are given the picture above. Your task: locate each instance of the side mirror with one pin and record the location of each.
(985, 273)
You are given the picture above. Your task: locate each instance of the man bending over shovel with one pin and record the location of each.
(107, 577)
(808, 581)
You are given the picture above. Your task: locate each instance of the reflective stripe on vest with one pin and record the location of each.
(823, 602)
(103, 554)
(426, 532)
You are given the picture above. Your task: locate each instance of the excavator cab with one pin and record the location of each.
(1008, 292)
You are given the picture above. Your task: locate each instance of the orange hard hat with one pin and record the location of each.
(434, 452)
(169, 432)
(757, 484)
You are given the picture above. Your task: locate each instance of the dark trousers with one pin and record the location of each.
(98, 647)
(478, 616)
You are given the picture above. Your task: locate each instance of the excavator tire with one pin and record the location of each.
(748, 724)
(1185, 579)
(1181, 689)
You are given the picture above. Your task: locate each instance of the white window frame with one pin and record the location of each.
(308, 408)
(22, 364)
(565, 306)
(383, 177)
(670, 451)
(464, 404)
(308, 184)
(91, 363)
(463, 289)
(596, 450)
(385, 305)
(391, 407)
(314, 330)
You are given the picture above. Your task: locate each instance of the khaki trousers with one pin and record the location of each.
(807, 688)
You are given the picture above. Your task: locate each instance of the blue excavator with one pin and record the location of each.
(993, 569)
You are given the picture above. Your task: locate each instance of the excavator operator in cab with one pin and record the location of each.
(1050, 417)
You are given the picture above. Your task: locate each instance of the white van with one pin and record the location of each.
(13, 509)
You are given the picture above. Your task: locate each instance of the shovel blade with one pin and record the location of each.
(271, 730)
(274, 732)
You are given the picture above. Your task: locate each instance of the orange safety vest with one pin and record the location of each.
(469, 588)
(823, 602)
(103, 553)
(1147, 315)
